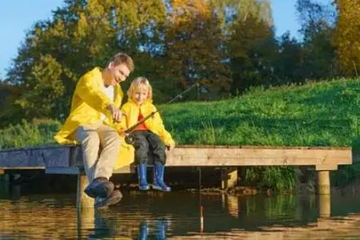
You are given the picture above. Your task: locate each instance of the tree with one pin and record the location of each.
(81, 35)
(194, 49)
(347, 37)
(287, 62)
(317, 23)
(251, 47)
(9, 113)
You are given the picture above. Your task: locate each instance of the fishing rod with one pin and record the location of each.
(129, 138)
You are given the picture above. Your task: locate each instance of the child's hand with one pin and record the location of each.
(121, 132)
(170, 146)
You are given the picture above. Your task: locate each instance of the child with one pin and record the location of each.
(149, 136)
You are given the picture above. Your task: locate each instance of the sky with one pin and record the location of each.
(17, 17)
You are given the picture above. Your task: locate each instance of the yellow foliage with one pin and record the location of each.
(193, 42)
(347, 36)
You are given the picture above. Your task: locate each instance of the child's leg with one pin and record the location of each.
(141, 146)
(157, 147)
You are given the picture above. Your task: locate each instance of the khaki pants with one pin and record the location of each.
(100, 146)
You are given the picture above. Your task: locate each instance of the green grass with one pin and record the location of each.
(314, 114)
(38, 132)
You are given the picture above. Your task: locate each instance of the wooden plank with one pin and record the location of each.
(23, 168)
(126, 169)
(42, 156)
(326, 167)
(220, 156)
(71, 156)
(63, 170)
(75, 156)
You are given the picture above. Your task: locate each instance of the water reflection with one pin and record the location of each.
(177, 215)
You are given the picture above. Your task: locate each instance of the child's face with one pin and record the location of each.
(140, 94)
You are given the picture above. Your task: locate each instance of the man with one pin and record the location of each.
(92, 123)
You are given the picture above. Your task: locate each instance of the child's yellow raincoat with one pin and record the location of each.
(153, 124)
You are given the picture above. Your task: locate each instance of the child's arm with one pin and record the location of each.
(162, 132)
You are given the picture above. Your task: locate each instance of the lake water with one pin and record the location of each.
(177, 215)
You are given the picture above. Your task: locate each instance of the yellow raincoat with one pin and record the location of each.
(154, 123)
(87, 104)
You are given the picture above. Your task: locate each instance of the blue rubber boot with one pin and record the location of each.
(160, 230)
(142, 175)
(143, 231)
(159, 178)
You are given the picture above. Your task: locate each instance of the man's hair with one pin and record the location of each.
(140, 81)
(122, 58)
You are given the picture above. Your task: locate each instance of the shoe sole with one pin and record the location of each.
(100, 191)
(113, 199)
(142, 188)
(154, 187)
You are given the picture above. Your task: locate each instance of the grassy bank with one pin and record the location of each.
(314, 114)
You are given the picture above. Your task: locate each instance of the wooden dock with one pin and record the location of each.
(59, 159)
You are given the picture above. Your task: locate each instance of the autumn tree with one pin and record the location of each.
(194, 48)
(231, 11)
(347, 36)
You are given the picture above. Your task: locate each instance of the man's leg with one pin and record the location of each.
(110, 148)
(90, 143)
(90, 140)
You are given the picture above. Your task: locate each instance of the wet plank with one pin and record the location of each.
(35, 157)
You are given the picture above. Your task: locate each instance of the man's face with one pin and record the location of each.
(119, 73)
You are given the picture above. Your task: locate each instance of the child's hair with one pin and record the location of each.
(136, 83)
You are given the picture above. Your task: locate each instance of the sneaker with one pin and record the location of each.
(99, 187)
(114, 198)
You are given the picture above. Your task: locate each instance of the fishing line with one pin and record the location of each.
(201, 208)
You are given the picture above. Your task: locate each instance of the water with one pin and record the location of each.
(177, 215)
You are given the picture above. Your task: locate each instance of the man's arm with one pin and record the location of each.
(88, 91)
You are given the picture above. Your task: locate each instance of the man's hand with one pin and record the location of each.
(116, 114)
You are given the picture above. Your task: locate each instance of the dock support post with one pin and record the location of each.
(324, 191)
(324, 205)
(82, 200)
(229, 177)
(323, 182)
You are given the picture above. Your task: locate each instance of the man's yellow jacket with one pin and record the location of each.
(87, 105)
